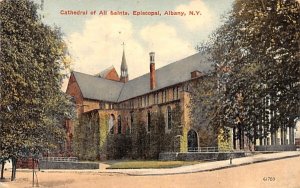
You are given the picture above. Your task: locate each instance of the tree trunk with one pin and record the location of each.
(2, 169)
(14, 168)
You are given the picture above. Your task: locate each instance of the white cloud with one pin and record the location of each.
(98, 46)
(205, 21)
(164, 40)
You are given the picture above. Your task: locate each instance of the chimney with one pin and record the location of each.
(152, 71)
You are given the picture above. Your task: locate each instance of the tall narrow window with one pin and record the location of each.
(128, 126)
(119, 125)
(174, 92)
(169, 117)
(111, 124)
(166, 95)
(148, 100)
(148, 121)
(131, 120)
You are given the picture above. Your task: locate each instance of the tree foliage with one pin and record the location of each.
(206, 110)
(32, 59)
(86, 142)
(256, 59)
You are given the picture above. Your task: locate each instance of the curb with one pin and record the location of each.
(162, 174)
(212, 169)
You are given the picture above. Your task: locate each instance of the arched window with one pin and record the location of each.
(148, 121)
(169, 117)
(119, 125)
(192, 141)
(111, 124)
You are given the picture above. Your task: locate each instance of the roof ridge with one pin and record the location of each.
(170, 64)
(115, 91)
(120, 92)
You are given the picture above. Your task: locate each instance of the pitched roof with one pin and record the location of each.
(97, 88)
(104, 73)
(171, 74)
(93, 87)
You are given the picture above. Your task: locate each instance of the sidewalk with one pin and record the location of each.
(201, 167)
(207, 166)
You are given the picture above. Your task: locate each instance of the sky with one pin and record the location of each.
(95, 41)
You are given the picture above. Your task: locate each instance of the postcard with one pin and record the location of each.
(137, 75)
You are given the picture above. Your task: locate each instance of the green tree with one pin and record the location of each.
(206, 109)
(256, 56)
(32, 59)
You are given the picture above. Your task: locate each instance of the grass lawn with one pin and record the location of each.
(149, 164)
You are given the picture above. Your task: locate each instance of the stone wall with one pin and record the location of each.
(68, 165)
(290, 147)
(199, 156)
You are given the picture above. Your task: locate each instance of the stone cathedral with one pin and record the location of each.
(117, 115)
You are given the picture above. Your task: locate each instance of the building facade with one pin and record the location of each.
(119, 117)
(117, 101)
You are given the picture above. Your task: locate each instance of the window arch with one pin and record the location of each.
(192, 138)
(148, 121)
(119, 125)
(169, 117)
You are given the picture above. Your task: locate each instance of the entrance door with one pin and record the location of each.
(192, 141)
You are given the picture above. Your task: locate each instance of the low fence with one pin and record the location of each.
(73, 159)
(200, 156)
(57, 163)
(209, 149)
(67, 165)
(290, 147)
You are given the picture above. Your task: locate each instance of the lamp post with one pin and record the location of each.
(231, 157)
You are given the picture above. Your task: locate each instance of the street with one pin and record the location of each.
(284, 173)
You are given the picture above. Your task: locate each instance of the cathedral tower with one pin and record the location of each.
(124, 69)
